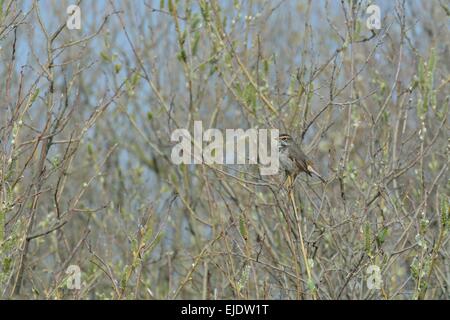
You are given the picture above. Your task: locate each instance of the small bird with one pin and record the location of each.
(293, 160)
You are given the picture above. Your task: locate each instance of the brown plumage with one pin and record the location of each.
(293, 160)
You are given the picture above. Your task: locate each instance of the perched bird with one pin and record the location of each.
(293, 160)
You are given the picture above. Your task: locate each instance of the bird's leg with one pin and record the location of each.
(290, 183)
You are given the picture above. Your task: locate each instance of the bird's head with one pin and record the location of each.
(284, 140)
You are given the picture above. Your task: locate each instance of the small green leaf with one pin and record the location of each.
(249, 95)
(1, 8)
(123, 279)
(358, 27)
(367, 239)
(266, 67)
(148, 234)
(182, 55)
(311, 285)
(134, 245)
(6, 265)
(155, 242)
(195, 44)
(34, 96)
(105, 56)
(2, 225)
(432, 60)
(242, 228)
(135, 79)
(204, 8)
(381, 237)
(445, 213)
(90, 149)
(195, 21)
(420, 72)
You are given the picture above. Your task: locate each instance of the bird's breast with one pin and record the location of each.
(287, 164)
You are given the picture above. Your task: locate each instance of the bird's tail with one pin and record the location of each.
(312, 170)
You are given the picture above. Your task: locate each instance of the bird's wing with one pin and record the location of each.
(304, 163)
(300, 158)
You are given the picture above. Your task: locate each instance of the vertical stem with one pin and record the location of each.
(302, 245)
